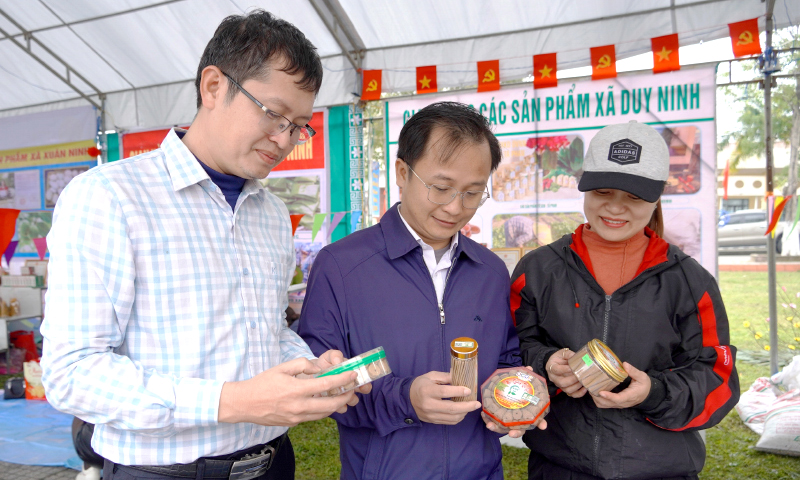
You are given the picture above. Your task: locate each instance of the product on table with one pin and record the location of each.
(464, 367)
(597, 367)
(515, 398)
(369, 366)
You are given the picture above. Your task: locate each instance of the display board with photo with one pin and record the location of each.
(56, 179)
(538, 168)
(532, 230)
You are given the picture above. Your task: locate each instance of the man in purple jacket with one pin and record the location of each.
(412, 284)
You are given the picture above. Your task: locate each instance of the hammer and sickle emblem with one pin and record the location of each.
(745, 38)
(604, 62)
(488, 76)
(372, 86)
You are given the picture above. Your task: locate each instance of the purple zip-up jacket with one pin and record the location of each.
(372, 289)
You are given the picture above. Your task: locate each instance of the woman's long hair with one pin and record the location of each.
(657, 220)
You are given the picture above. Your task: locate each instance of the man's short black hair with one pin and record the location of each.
(246, 46)
(461, 124)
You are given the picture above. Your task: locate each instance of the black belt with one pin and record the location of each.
(242, 465)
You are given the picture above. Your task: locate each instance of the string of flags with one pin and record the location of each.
(335, 218)
(744, 39)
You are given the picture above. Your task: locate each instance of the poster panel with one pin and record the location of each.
(39, 154)
(310, 155)
(545, 133)
(301, 181)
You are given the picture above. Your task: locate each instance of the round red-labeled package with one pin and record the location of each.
(515, 398)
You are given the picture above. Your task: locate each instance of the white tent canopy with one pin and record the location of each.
(142, 55)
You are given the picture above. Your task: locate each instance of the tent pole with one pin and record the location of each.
(103, 137)
(773, 309)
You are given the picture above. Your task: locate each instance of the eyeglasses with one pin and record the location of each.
(444, 194)
(273, 123)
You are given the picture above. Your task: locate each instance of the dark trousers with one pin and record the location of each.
(82, 439)
(282, 468)
(539, 468)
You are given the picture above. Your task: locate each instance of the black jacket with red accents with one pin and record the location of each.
(669, 321)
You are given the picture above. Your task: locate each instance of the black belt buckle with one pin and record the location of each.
(256, 466)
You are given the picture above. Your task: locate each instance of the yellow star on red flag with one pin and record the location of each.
(426, 79)
(545, 68)
(666, 53)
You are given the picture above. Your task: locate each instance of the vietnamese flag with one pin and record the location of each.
(371, 85)
(665, 53)
(604, 62)
(489, 75)
(426, 79)
(544, 70)
(744, 37)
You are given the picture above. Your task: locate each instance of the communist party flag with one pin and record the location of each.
(604, 62)
(744, 37)
(544, 70)
(665, 53)
(426, 79)
(371, 85)
(489, 75)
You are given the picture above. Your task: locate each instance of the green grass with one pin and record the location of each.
(729, 444)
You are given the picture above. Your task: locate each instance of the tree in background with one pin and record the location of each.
(749, 140)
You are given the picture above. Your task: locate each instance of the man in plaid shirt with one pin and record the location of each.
(168, 276)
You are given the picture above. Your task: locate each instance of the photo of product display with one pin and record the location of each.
(464, 367)
(597, 367)
(543, 168)
(531, 230)
(55, 180)
(369, 366)
(7, 190)
(515, 398)
(684, 159)
(30, 225)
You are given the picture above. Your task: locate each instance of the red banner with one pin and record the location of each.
(311, 154)
(142, 142)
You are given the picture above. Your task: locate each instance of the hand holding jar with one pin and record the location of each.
(633, 395)
(560, 373)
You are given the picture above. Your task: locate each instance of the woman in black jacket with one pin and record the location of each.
(616, 280)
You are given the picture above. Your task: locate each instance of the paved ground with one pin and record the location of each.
(12, 471)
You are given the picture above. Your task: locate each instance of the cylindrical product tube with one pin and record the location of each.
(464, 367)
(597, 367)
(369, 366)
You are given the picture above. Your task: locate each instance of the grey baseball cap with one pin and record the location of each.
(628, 156)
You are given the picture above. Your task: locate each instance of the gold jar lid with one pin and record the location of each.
(464, 347)
(607, 360)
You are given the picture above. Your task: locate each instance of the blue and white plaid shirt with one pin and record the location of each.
(158, 294)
